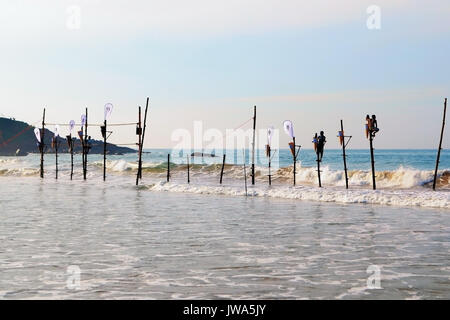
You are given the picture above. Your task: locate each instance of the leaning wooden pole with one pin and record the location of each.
(253, 145)
(143, 134)
(440, 145)
(223, 167)
(343, 154)
(42, 144)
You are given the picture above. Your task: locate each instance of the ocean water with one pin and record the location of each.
(204, 240)
(404, 177)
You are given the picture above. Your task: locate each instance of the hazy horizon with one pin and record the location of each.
(312, 63)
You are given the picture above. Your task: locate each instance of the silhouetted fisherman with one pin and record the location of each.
(374, 128)
(371, 125)
(321, 140)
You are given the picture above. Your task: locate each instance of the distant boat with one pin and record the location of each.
(202, 154)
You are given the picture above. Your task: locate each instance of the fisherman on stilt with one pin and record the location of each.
(371, 131)
(321, 140)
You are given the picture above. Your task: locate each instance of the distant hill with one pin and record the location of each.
(17, 139)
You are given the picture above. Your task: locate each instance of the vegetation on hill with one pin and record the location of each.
(17, 139)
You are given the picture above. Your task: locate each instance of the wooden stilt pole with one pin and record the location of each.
(245, 176)
(56, 156)
(143, 134)
(270, 165)
(318, 170)
(85, 146)
(188, 176)
(42, 144)
(372, 159)
(168, 167)
(295, 159)
(440, 146)
(71, 156)
(223, 167)
(295, 153)
(139, 133)
(104, 151)
(253, 145)
(343, 154)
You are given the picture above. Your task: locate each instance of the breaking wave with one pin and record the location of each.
(401, 178)
(403, 186)
(21, 172)
(16, 167)
(420, 198)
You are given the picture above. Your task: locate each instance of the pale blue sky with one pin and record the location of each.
(312, 63)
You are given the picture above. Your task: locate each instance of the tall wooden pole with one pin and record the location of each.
(82, 147)
(188, 174)
(245, 175)
(42, 144)
(143, 134)
(85, 146)
(223, 167)
(270, 164)
(294, 156)
(104, 152)
(56, 156)
(139, 132)
(71, 156)
(343, 155)
(168, 167)
(253, 145)
(318, 170)
(372, 159)
(440, 146)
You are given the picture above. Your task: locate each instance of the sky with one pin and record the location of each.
(312, 62)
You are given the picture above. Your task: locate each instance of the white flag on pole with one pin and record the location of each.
(83, 120)
(37, 133)
(71, 125)
(269, 135)
(289, 128)
(108, 110)
(56, 133)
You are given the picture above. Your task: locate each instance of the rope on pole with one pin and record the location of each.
(95, 124)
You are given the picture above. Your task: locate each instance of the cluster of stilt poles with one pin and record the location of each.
(86, 145)
(140, 132)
